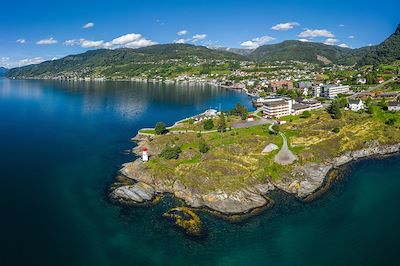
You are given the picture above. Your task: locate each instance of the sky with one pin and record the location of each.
(34, 31)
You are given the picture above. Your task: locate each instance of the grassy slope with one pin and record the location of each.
(235, 160)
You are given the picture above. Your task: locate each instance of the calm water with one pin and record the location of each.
(62, 143)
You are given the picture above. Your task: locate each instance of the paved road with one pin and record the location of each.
(372, 88)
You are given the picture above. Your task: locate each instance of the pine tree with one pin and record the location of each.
(221, 123)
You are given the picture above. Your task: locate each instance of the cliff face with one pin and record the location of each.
(304, 180)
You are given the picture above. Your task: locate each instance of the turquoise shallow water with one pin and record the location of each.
(62, 143)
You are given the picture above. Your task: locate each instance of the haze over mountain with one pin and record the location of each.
(162, 58)
(3, 71)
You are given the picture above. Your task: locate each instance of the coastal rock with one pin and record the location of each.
(234, 203)
(137, 193)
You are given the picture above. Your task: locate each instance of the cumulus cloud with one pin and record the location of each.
(341, 25)
(304, 40)
(30, 61)
(316, 33)
(198, 37)
(88, 25)
(47, 41)
(180, 41)
(343, 45)
(131, 40)
(21, 41)
(256, 42)
(331, 41)
(285, 26)
(182, 32)
(351, 37)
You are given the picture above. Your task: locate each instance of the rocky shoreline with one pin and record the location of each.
(305, 180)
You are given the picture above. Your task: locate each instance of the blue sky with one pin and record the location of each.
(33, 31)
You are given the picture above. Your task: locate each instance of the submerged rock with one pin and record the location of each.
(186, 219)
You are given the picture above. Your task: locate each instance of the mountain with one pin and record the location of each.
(161, 59)
(3, 71)
(308, 52)
(385, 53)
(239, 51)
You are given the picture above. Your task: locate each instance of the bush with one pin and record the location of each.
(160, 128)
(208, 124)
(305, 114)
(336, 130)
(390, 121)
(334, 110)
(170, 152)
(221, 123)
(203, 147)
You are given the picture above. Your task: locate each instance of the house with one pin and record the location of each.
(208, 114)
(276, 85)
(361, 80)
(356, 105)
(145, 155)
(250, 118)
(394, 106)
(380, 80)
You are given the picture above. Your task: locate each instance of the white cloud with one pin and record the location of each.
(21, 41)
(316, 33)
(331, 41)
(91, 44)
(351, 37)
(131, 40)
(30, 61)
(198, 37)
(50, 40)
(304, 40)
(285, 26)
(182, 32)
(88, 25)
(341, 25)
(256, 42)
(343, 45)
(180, 41)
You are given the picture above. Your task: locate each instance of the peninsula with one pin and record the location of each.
(229, 162)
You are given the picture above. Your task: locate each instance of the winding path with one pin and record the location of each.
(285, 156)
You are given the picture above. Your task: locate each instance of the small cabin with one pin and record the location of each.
(250, 118)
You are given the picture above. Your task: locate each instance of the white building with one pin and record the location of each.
(277, 108)
(305, 105)
(394, 106)
(356, 105)
(332, 91)
(145, 155)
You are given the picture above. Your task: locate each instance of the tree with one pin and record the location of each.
(390, 121)
(383, 104)
(221, 123)
(170, 152)
(334, 110)
(203, 147)
(160, 128)
(305, 114)
(208, 124)
(239, 110)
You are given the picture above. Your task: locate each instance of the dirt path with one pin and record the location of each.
(285, 156)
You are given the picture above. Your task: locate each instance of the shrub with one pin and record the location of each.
(390, 121)
(336, 130)
(208, 124)
(160, 128)
(221, 123)
(305, 114)
(170, 152)
(203, 147)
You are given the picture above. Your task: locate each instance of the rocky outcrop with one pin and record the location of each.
(309, 177)
(138, 193)
(303, 181)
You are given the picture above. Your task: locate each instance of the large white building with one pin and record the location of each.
(330, 91)
(277, 108)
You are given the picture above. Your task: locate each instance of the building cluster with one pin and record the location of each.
(279, 106)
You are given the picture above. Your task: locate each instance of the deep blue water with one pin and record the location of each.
(63, 142)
